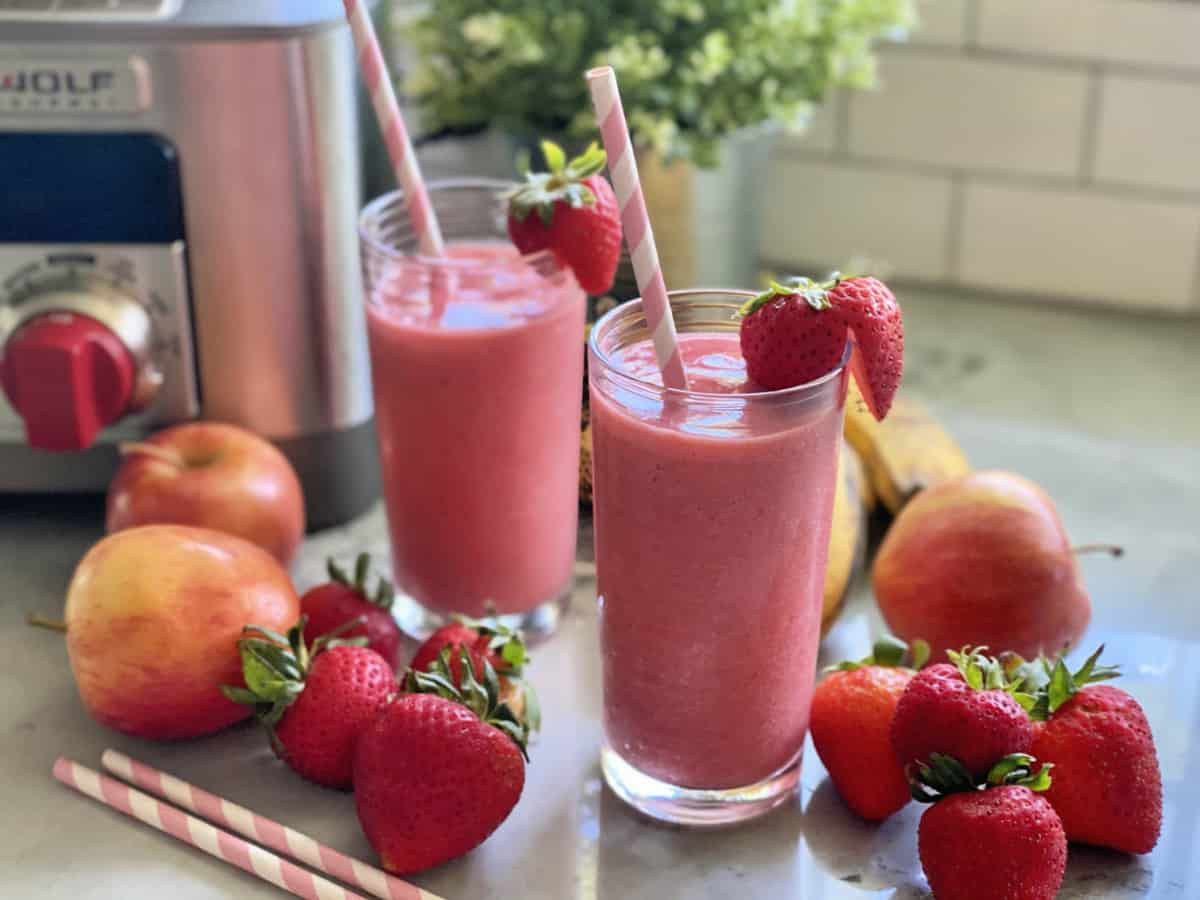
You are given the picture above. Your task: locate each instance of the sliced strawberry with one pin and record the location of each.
(873, 317)
(572, 211)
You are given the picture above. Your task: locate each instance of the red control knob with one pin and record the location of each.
(68, 376)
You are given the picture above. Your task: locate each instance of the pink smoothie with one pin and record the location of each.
(712, 528)
(477, 400)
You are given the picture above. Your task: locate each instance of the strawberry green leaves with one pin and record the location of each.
(987, 673)
(1055, 684)
(889, 652)
(274, 667)
(814, 293)
(384, 594)
(943, 775)
(564, 182)
(482, 698)
(1017, 768)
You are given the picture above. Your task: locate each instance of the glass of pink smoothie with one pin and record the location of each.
(712, 517)
(477, 361)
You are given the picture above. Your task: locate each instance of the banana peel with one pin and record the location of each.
(585, 465)
(847, 535)
(906, 452)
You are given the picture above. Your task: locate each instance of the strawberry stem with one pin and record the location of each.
(1111, 549)
(49, 624)
(163, 454)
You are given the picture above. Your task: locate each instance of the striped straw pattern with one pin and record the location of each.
(391, 124)
(635, 222)
(266, 831)
(213, 841)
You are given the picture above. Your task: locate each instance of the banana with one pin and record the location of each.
(847, 536)
(585, 463)
(907, 451)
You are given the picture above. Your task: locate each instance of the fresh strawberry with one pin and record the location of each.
(503, 649)
(1001, 842)
(314, 702)
(794, 333)
(967, 709)
(1107, 785)
(851, 724)
(440, 768)
(572, 211)
(330, 608)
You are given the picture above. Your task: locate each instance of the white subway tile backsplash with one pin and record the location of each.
(972, 114)
(825, 214)
(1149, 133)
(1140, 32)
(1085, 246)
(941, 22)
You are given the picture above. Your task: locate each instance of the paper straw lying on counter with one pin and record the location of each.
(266, 831)
(213, 841)
(635, 222)
(395, 134)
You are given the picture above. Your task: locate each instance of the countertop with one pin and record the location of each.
(1098, 407)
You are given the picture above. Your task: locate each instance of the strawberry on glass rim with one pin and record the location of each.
(796, 332)
(572, 212)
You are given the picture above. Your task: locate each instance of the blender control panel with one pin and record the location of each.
(93, 332)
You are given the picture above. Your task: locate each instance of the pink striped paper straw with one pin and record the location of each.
(391, 124)
(635, 222)
(213, 841)
(259, 828)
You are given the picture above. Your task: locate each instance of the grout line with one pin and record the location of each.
(1196, 278)
(972, 13)
(1089, 138)
(1013, 295)
(1030, 180)
(1171, 73)
(954, 227)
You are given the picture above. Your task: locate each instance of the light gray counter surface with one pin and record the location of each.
(1103, 410)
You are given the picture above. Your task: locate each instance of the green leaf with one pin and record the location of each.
(1061, 687)
(1014, 763)
(919, 651)
(362, 565)
(269, 634)
(889, 651)
(240, 695)
(1028, 701)
(556, 159)
(973, 676)
(1041, 781)
(336, 572)
(262, 672)
(512, 651)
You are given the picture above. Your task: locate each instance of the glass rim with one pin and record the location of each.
(372, 212)
(628, 307)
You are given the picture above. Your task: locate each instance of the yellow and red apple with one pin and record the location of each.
(153, 618)
(982, 560)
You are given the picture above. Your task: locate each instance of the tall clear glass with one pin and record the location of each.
(712, 518)
(477, 363)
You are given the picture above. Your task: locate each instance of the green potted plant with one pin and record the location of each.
(705, 83)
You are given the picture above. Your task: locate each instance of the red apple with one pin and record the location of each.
(212, 476)
(153, 619)
(982, 559)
